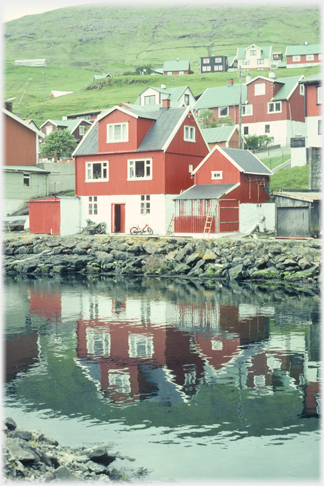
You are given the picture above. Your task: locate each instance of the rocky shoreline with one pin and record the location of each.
(290, 262)
(37, 458)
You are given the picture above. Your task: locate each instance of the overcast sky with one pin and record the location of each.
(13, 9)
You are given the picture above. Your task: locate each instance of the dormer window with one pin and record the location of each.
(117, 132)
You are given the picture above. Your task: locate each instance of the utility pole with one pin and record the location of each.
(27, 90)
(240, 107)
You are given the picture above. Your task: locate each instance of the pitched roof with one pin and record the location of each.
(244, 160)
(176, 65)
(174, 94)
(241, 51)
(218, 134)
(248, 162)
(313, 79)
(287, 88)
(206, 191)
(69, 125)
(304, 49)
(221, 96)
(157, 138)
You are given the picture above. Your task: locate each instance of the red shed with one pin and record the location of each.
(46, 215)
(224, 179)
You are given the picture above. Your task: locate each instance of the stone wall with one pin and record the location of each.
(285, 261)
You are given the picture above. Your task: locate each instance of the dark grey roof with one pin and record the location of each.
(166, 120)
(89, 144)
(247, 161)
(206, 191)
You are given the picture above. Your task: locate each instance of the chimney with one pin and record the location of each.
(163, 86)
(8, 106)
(166, 103)
(272, 74)
(248, 78)
(230, 82)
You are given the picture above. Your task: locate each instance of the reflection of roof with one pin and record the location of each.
(304, 196)
(218, 134)
(206, 191)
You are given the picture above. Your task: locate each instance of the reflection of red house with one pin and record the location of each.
(46, 303)
(21, 352)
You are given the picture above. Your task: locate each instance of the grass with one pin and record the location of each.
(294, 178)
(272, 162)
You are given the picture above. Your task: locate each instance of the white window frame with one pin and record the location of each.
(145, 204)
(81, 130)
(206, 60)
(309, 57)
(216, 174)
(187, 99)
(267, 128)
(301, 89)
(140, 346)
(189, 133)
(92, 205)
(26, 179)
(223, 108)
(275, 110)
(253, 52)
(246, 130)
(296, 58)
(218, 60)
(319, 95)
(260, 61)
(169, 73)
(112, 136)
(90, 168)
(249, 111)
(149, 100)
(147, 169)
(246, 62)
(259, 89)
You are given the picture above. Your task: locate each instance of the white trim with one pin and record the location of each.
(102, 179)
(144, 177)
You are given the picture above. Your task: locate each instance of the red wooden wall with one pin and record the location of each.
(20, 143)
(44, 216)
(312, 108)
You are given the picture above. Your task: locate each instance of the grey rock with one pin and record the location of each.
(19, 453)
(63, 472)
(20, 433)
(10, 423)
(236, 273)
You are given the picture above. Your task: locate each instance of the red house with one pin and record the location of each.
(132, 163)
(225, 179)
(305, 55)
(174, 68)
(311, 88)
(57, 215)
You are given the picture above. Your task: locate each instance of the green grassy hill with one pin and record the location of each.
(78, 42)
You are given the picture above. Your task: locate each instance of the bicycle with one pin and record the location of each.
(136, 230)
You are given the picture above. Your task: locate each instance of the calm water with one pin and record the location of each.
(193, 383)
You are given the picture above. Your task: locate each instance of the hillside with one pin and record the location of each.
(115, 40)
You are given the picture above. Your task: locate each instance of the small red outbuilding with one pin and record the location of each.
(57, 215)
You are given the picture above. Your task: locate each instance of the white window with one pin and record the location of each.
(217, 174)
(81, 130)
(260, 61)
(117, 132)
(140, 346)
(181, 72)
(149, 100)
(140, 169)
(259, 89)
(206, 68)
(26, 179)
(189, 134)
(246, 110)
(222, 111)
(206, 60)
(218, 60)
(246, 62)
(253, 52)
(49, 129)
(267, 129)
(309, 57)
(301, 89)
(97, 171)
(319, 95)
(274, 107)
(119, 380)
(145, 204)
(296, 58)
(187, 99)
(169, 73)
(93, 205)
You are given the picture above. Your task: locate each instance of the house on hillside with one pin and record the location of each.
(152, 97)
(84, 115)
(101, 76)
(213, 64)
(173, 68)
(225, 136)
(57, 94)
(131, 164)
(270, 106)
(77, 127)
(22, 178)
(223, 101)
(254, 57)
(230, 187)
(305, 55)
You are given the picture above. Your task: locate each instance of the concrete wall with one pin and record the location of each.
(298, 156)
(315, 168)
(250, 214)
(313, 139)
(62, 176)
(70, 216)
(16, 194)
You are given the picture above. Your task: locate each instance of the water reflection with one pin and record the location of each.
(164, 343)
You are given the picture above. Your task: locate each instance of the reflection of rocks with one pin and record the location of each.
(34, 457)
(288, 261)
